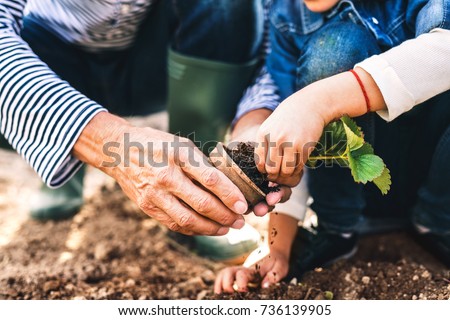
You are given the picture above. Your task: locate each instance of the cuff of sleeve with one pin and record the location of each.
(297, 205)
(244, 111)
(397, 97)
(66, 164)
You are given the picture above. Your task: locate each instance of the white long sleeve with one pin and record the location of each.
(412, 72)
(297, 205)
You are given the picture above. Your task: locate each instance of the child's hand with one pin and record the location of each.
(272, 269)
(228, 277)
(246, 129)
(286, 138)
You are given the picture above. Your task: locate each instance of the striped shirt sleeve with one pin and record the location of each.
(263, 92)
(41, 115)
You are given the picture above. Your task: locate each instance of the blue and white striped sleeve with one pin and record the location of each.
(263, 92)
(41, 115)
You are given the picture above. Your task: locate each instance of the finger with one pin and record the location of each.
(216, 182)
(286, 193)
(292, 180)
(243, 277)
(305, 151)
(164, 219)
(187, 219)
(267, 281)
(228, 277)
(280, 196)
(207, 204)
(289, 161)
(153, 211)
(261, 209)
(260, 152)
(276, 274)
(218, 283)
(273, 161)
(300, 162)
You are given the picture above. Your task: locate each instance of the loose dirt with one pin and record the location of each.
(112, 251)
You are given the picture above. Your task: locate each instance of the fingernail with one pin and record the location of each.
(222, 231)
(266, 285)
(240, 207)
(238, 224)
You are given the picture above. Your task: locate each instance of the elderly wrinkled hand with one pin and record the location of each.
(166, 176)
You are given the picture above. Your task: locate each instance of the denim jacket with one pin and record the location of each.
(391, 21)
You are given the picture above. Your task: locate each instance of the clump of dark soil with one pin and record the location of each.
(243, 154)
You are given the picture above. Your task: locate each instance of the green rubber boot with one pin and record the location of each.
(59, 204)
(203, 96)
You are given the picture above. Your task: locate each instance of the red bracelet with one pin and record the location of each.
(363, 89)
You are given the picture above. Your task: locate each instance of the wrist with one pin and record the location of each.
(280, 252)
(104, 131)
(248, 124)
(341, 94)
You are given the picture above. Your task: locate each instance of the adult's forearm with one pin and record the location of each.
(247, 126)
(261, 94)
(102, 129)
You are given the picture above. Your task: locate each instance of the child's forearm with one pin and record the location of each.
(282, 231)
(340, 95)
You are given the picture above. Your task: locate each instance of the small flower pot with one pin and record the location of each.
(222, 161)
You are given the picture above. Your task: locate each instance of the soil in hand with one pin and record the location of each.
(243, 154)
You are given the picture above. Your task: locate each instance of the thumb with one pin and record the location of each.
(273, 276)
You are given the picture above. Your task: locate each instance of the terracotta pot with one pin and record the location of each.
(222, 161)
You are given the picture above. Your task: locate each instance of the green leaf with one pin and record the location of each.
(366, 167)
(349, 122)
(383, 182)
(354, 142)
(365, 149)
(342, 143)
(333, 141)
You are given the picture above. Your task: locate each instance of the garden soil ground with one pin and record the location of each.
(112, 251)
